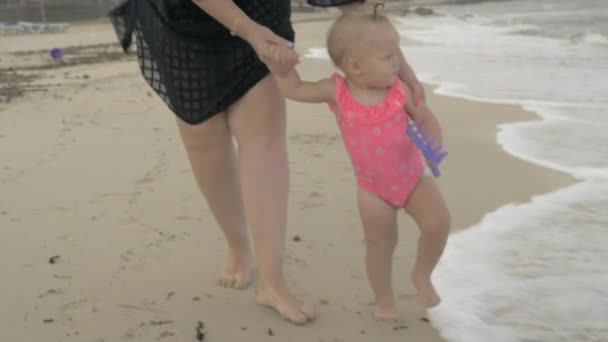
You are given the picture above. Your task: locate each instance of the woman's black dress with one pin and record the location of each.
(192, 61)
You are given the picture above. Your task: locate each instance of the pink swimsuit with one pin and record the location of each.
(385, 160)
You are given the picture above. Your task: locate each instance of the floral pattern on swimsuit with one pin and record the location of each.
(385, 160)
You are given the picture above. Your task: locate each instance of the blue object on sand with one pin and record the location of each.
(57, 54)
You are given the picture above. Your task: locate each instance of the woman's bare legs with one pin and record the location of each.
(379, 221)
(213, 159)
(258, 122)
(428, 209)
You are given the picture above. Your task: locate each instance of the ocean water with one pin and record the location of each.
(536, 271)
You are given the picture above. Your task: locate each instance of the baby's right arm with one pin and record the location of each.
(321, 91)
(288, 79)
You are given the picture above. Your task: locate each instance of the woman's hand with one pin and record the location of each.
(270, 48)
(365, 7)
(259, 37)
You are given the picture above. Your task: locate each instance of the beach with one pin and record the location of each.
(105, 236)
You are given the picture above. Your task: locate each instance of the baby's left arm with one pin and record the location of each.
(423, 114)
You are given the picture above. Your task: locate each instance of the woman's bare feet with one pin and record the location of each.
(389, 313)
(237, 274)
(289, 308)
(427, 295)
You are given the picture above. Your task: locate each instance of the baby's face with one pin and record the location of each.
(381, 66)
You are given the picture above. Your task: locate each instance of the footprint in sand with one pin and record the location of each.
(313, 204)
(156, 173)
(310, 205)
(151, 328)
(357, 275)
(407, 296)
(295, 260)
(74, 305)
(318, 139)
(112, 196)
(333, 339)
(314, 194)
(61, 209)
(51, 292)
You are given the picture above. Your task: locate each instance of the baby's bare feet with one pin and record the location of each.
(286, 305)
(427, 295)
(387, 314)
(237, 274)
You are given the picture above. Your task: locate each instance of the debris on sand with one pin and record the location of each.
(154, 323)
(165, 334)
(54, 259)
(200, 334)
(17, 80)
(422, 11)
(400, 327)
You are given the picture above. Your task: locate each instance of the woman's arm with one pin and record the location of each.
(259, 37)
(407, 75)
(229, 15)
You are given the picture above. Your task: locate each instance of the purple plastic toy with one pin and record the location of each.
(56, 54)
(420, 138)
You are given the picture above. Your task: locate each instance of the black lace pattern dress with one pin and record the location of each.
(192, 61)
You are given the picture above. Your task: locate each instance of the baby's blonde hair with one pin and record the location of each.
(349, 31)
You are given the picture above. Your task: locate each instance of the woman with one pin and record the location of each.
(204, 59)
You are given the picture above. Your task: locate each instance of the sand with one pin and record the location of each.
(93, 178)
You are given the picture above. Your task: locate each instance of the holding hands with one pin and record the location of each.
(276, 52)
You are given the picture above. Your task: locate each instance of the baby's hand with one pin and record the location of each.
(281, 60)
(429, 163)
